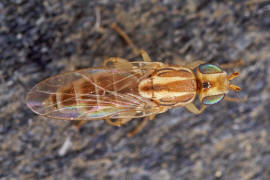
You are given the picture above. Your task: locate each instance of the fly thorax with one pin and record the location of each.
(169, 86)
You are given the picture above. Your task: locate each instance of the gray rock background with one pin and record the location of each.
(229, 140)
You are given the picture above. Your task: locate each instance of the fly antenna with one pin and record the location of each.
(233, 75)
(234, 87)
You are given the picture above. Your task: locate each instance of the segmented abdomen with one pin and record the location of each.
(98, 90)
(86, 94)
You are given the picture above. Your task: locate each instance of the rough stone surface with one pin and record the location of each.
(229, 140)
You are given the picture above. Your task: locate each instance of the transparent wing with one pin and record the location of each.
(91, 94)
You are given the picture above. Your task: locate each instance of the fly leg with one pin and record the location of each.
(122, 34)
(118, 63)
(191, 65)
(232, 99)
(192, 108)
(145, 56)
(230, 65)
(140, 126)
(195, 64)
(181, 62)
(119, 122)
(121, 63)
(134, 48)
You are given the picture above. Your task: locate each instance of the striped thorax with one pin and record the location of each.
(170, 86)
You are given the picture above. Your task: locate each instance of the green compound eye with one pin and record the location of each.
(209, 69)
(209, 100)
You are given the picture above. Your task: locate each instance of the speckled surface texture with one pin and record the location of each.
(229, 140)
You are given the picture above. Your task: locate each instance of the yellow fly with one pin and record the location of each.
(125, 90)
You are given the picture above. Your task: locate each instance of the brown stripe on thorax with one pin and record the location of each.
(166, 84)
(188, 85)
